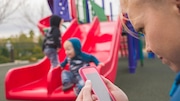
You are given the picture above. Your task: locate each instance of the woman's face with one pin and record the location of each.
(162, 30)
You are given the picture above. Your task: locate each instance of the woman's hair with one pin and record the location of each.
(124, 17)
(123, 21)
(136, 3)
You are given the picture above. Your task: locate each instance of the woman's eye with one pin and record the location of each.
(140, 30)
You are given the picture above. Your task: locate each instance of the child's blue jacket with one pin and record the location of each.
(86, 58)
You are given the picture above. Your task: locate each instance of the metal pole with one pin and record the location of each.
(103, 4)
(87, 11)
(111, 11)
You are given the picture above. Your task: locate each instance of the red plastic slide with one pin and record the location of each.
(38, 82)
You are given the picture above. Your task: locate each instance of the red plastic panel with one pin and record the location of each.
(39, 82)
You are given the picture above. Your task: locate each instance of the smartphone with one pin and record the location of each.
(98, 86)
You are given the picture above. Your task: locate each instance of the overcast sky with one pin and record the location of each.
(16, 24)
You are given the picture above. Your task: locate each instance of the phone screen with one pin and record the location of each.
(98, 86)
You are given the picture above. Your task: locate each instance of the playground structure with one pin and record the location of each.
(40, 82)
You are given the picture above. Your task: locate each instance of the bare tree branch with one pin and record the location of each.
(23, 14)
(33, 14)
(7, 8)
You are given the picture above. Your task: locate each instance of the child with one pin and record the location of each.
(159, 20)
(76, 59)
(51, 43)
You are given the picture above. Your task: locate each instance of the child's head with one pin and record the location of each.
(72, 47)
(56, 21)
(159, 20)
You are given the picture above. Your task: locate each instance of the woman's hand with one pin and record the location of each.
(86, 92)
(117, 93)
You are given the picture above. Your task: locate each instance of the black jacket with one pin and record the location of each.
(54, 32)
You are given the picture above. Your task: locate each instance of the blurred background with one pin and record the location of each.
(20, 38)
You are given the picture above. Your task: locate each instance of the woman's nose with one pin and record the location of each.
(147, 47)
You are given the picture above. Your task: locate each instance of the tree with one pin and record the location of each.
(31, 35)
(7, 8)
(23, 14)
(23, 37)
(30, 16)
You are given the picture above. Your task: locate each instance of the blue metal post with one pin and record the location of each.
(132, 55)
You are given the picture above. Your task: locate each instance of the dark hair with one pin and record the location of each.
(55, 20)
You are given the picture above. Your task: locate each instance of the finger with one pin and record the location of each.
(108, 83)
(85, 94)
(94, 97)
(80, 96)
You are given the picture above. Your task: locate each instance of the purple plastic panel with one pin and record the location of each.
(60, 7)
(50, 3)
